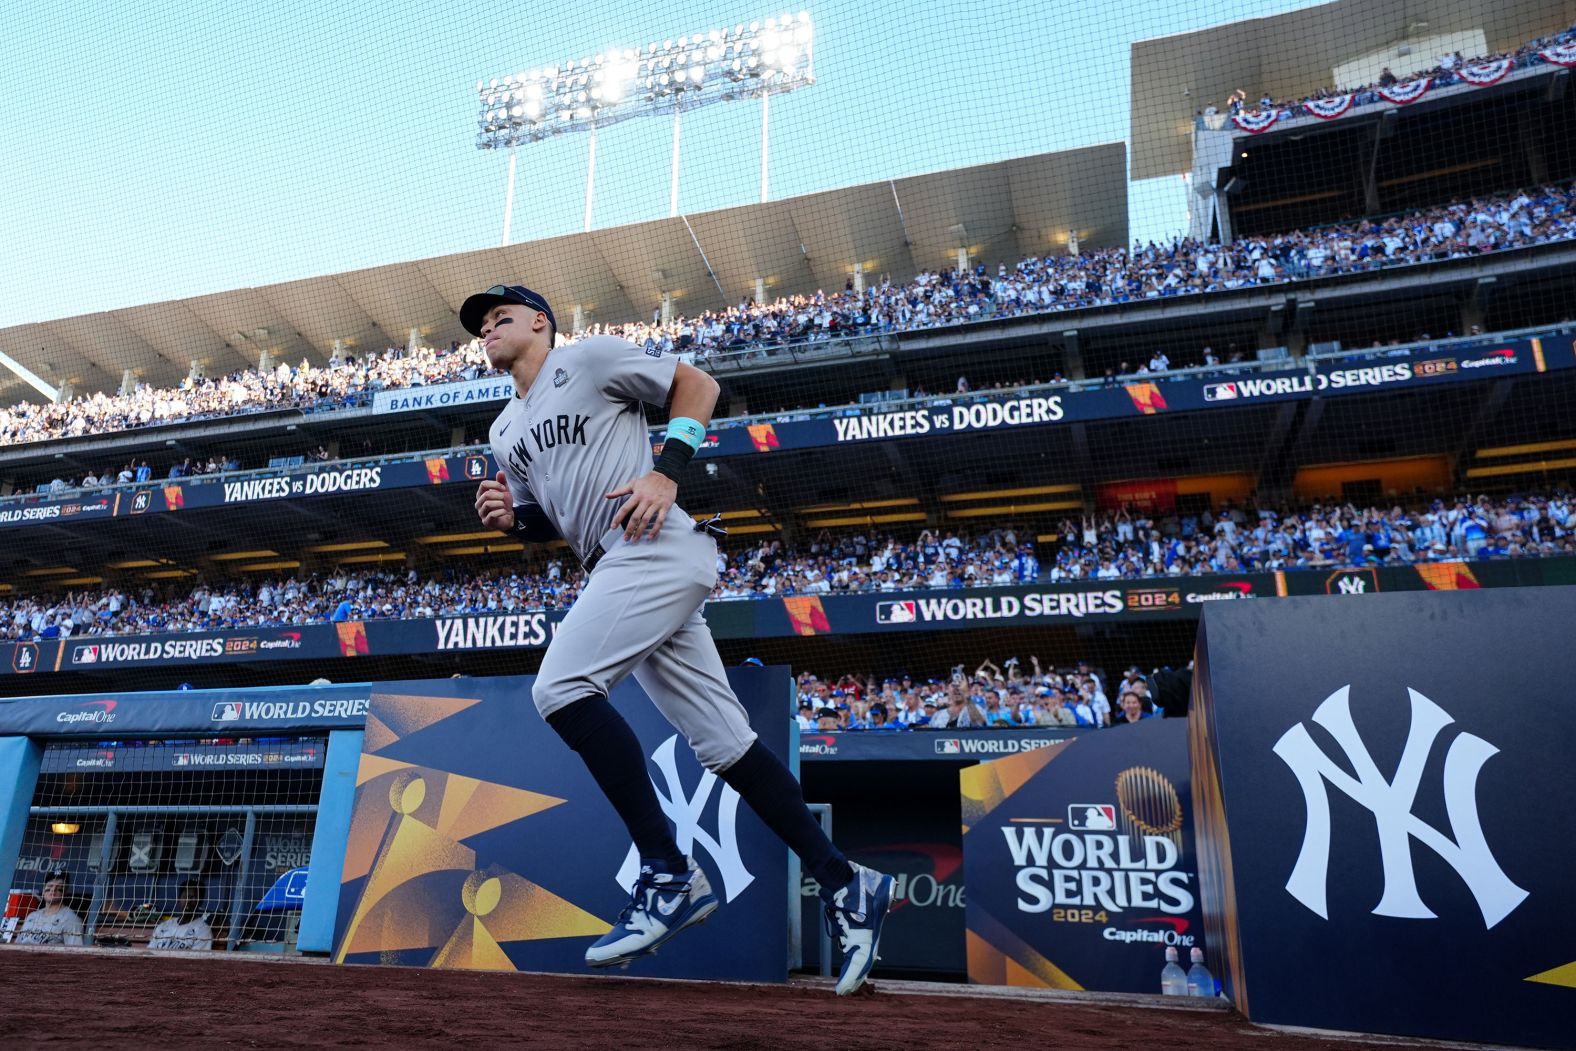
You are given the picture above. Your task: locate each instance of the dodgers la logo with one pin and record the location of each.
(685, 811)
(1390, 802)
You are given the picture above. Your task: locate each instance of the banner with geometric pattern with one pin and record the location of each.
(479, 841)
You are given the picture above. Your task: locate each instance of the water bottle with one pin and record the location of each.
(1172, 981)
(1199, 981)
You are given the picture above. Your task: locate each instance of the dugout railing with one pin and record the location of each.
(109, 844)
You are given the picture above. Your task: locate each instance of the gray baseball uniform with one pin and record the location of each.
(578, 434)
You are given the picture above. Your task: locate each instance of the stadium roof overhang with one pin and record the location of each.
(1002, 211)
(1292, 55)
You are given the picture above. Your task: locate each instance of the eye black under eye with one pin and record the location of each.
(505, 320)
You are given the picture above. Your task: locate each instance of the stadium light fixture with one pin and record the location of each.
(767, 57)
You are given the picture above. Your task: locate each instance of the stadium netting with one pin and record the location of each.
(1035, 332)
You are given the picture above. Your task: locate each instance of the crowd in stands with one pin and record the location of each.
(1119, 545)
(1131, 545)
(1113, 276)
(137, 470)
(337, 596)
(1444, 73)
(995, 696)
(336, 384)
(1034, 285)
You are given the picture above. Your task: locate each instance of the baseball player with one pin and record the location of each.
(187, 929)
(576, 463)
(56, 923)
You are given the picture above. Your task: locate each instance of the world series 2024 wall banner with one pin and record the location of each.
(1078, 861)
(479, 841)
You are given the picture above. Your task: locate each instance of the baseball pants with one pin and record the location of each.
(640, 614)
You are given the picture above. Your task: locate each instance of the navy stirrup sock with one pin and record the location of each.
(592, 727)
(770, 789)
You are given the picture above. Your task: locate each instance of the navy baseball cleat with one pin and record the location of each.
(855, 915)
(660, 905)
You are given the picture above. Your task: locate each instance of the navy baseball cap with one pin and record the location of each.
(475, 308)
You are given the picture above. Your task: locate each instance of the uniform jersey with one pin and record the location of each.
(172, 934)
(46, 928)
(580, 432)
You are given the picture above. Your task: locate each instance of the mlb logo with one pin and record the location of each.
(1091, 817)
(226, 712)
(295, 884)
(85, 655)
(949, 746)
(896, 612)
(1220, 391)
(475, 467)
(183, 759)
(142, 501)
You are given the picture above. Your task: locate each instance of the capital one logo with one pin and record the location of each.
(1390, 802)
(685, 811)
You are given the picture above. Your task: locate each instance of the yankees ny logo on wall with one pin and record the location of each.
(686, 811)
(1390, 802)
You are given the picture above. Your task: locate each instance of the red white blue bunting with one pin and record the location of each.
(1478, 74)
(1560, 54)
(1256, 121)
(1485, 73)
(1409, 92)
(1329, 108)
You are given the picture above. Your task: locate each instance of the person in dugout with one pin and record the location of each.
(56, 923)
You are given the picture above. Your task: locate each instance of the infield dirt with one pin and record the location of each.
(92, 998)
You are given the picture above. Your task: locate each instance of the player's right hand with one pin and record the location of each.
(495, 504)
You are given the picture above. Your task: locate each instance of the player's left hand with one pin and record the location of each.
(651, 496)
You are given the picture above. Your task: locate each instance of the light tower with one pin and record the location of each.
(764, 58)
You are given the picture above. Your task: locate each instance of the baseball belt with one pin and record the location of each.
(712, 527)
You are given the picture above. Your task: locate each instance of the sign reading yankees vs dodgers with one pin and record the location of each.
(1078, 860)
(465, 799)
(1385, 826)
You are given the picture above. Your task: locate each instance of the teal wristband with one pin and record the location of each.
(686, 430)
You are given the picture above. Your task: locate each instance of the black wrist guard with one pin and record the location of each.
(532, 524)
(675, 454)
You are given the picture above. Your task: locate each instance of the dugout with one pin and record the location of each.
(132, 796)
(250, 792)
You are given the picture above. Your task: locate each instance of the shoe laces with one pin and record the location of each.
(645, 885)
(836, 921)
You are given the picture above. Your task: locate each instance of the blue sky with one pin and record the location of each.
(168, 148)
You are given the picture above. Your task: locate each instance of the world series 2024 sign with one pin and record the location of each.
(1385, 832)
(1078, 861)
